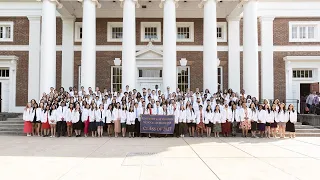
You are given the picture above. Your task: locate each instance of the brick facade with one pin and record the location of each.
(105, 59)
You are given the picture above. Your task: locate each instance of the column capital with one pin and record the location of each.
(34, 18)
(135, 1)
(59, 5)
(233, 18)
(201, 4)
(98, 5)
(266, 18)
(163, 1)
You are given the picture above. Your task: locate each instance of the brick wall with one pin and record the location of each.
(21, 30)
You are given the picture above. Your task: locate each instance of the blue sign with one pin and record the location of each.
(157, 124)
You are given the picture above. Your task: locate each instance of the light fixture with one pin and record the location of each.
(183, 62)
(117, 61)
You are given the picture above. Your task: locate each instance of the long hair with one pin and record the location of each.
(284, 108)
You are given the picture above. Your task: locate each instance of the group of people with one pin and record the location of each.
(72, 112)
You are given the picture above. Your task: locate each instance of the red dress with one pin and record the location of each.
(27, 122)
(86, 126)
(46, 124)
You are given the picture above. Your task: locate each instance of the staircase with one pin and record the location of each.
(12, 126)
(306, 130)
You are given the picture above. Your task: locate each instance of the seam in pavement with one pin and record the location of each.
(202, 160)
(307, 142)
(85, 158)
(260, 159)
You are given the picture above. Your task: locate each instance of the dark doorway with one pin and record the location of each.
(304, 92)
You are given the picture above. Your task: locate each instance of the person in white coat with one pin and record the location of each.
(92, 120)
(235, 119)
(282, 119)
(53, 120)
(274, 124)
(208, 120)
(100, 116)
(69, 118)
(116, 119)
(292, 119)
(217, 118)
(176, 113)
(226, 121)
(269, 120)
(109, 120)
(36, 111)
(61, 119)
(200, 121)
(245, 115)
(131, 118)
(254, 120)
(45, 126)
(137, 112)
(77, 120)
(124, 116)
(182, 121)
(262, 117)
(27, 118)
(191, 120)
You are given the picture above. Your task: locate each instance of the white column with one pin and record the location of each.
(288, 81)
(210, 72)
(34, 58)
(169, 72)
(67, 69)
(48, 46)
(129, 45)
(250, 49)
(234, 53)
(267, 57)
(88, 53)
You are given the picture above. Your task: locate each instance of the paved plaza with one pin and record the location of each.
(158, 158)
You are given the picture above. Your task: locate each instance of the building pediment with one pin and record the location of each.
(150, 52)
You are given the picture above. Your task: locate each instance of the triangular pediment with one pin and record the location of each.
(149, 52)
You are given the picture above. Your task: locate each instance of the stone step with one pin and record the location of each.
(14, 126)
(304, 127)
(308, 130)
(11, 122)
(16, 133)
(306, 134)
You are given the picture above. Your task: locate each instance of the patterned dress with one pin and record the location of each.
(245, 124)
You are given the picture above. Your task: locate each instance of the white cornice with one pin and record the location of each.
(98, 5)
(162, 2)
(59, 5)
(301, 58)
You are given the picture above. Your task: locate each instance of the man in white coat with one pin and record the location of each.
(61, 119)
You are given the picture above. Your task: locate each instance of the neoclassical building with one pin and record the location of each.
(269, 48)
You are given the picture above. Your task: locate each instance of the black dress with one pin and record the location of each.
(78, 125)
(290, 126)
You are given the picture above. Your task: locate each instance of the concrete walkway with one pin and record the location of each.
(158, 158)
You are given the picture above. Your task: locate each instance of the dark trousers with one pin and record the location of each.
(176, 130)
(61, 128)
(182, 128)
(137, 127)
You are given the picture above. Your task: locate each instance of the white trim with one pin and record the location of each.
(315, 24)
(79, 77)
(301, 58)
(110, 26)
(11, 63)
(111, 85)
(190, 25)
(143, 25)
(77, 26)
(11, 25)
(223, 25)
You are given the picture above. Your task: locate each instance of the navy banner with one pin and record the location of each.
(157, 124)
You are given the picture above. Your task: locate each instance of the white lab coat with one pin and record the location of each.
(124, 115)
(182, 116)
(131, 117)
(292, 116)
(208, 117)
(62, 113)
(243, 114)
(191, 116)
(53, 116)
(75, 116)
(282, 116)
(109, 115)
(100, 115)
(198, 120)
(217, 117)
(235, 116)
(176, 116)
(262, 116)
(28, 115)
(227, 114)
(157, 110)
(69, 115)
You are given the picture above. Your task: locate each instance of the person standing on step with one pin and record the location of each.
(282, 119)
(36, 123)
(131, 117)
(61, 119)
(27, 118)
(217, 117)
(53, 120)
(100, 116)
(200, 121)
(292, 119)
(77, 120)
(69, 118)
(45, 126)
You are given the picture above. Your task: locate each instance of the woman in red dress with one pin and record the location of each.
(27, 117)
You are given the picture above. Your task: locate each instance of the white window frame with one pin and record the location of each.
(223, 25)
(221, 85)
(179, 68)
(7, 23)
(303, 78)
(143, 25)
(306, 24)
(190, 25)
(113, 25)
(77, 26)
(111, 87)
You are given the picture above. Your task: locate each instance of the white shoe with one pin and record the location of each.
(51, 136)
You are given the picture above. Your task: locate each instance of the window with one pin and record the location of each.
(115, 30)
(78, 32)
(155, 73)
(6, 31)
(150, 31)
(302, 73)
(116, 78)
(221, 31)
(220, 78)
(303, 31)
(79, 77)
(4, 72)
(185, 32)
(183, 78)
